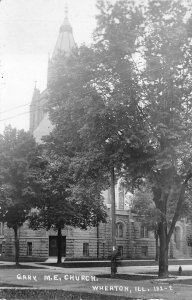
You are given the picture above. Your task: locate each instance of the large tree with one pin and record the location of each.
(162, 59)
(17, 177)
(94, 102)
(62, 201)
(165, 75)
(123, 114)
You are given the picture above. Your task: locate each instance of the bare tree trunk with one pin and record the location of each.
(180, 201)
(113, 218)
(156, 246)
(97, 239)
(161, 200)
(16, 246)
(163, 255)
(59, 246)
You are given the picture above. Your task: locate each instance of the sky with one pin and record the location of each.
(28, 33)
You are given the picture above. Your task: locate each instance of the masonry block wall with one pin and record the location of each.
(92, 242)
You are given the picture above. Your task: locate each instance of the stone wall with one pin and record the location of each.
(131, 244)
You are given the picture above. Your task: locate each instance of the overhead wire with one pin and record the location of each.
(84, 94)
(137, 65)
(40, 107)
(14, 108)
(105, 56)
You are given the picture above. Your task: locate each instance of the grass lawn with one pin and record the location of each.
(127, 277)
(182, 281)
(127, 286)
(146, 277)
(173, 273)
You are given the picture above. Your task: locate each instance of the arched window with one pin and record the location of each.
(119, 230)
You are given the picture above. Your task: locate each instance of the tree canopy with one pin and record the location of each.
(61, 201)
(125, 102)
(95, 107)
(166, 82)
(18, 150)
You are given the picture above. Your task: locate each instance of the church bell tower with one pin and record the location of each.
(64, 44)
(39, 121)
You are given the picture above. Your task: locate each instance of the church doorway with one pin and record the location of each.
(53, 245)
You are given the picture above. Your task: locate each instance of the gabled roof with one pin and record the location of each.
(43, 128)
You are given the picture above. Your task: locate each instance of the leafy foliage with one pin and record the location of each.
(61, 202)
(145, 210)
(94, 100)
(17, 150)
(109, 110)
(18, 179)
(166, 83)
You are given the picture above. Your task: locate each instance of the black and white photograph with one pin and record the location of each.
(95, 149)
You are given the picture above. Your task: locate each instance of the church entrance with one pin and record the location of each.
(53, 245)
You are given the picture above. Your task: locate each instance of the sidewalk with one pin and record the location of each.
(132, 270)
(84, 280)
(139, 270)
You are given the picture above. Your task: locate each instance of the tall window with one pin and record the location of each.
(29, 249)
(177, 237)
(144, 232)
(103, 250)
(144, 251)
(3, 247)
(119, 230)
(120, 250)
(1, 228)
(121, 196)
(85, 249)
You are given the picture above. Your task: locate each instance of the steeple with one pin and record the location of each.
(65, 41)
(36, 94)
(34, 109)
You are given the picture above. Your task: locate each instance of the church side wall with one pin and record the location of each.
(131, 245)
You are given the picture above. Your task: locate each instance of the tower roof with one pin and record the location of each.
(36, 94)
(65, 41)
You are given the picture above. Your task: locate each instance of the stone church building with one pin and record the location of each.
(133, 240)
